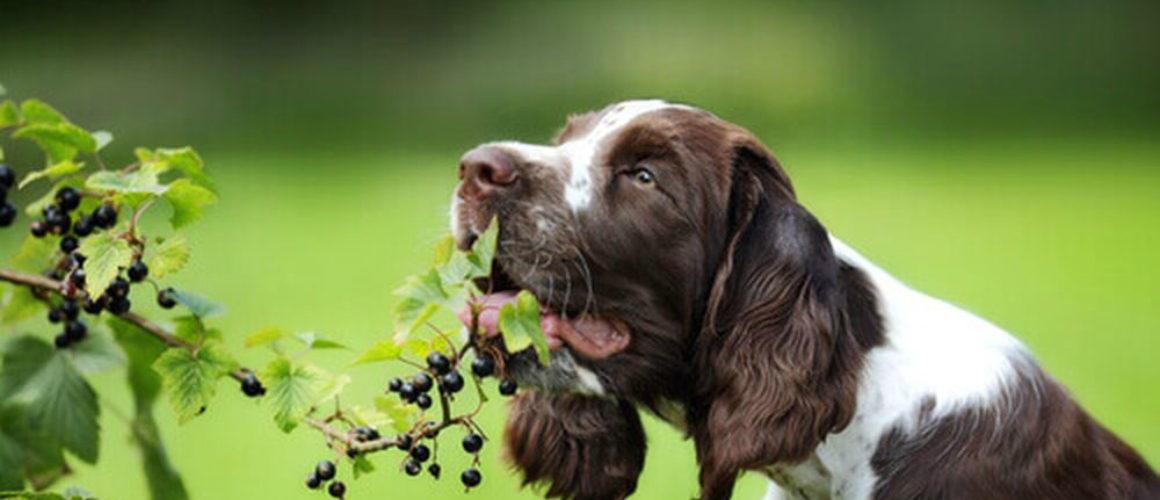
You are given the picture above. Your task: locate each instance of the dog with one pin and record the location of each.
(680, 275)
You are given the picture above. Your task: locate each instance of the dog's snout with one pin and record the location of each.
(486, 171)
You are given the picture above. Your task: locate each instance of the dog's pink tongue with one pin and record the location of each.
(593, 338)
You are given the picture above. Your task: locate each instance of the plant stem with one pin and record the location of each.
(43, 283)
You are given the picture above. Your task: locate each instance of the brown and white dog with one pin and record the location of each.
(680, 275)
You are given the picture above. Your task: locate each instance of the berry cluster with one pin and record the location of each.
(323, 472)
(7, 209)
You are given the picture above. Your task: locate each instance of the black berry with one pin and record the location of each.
(395, 384)
(118, 288)
(421, 382)
(119, 305)
(38, 228)
(404, 442)
(7, 213)
(438, 362)
(75, 331)
(76, 259)
(421, 452)
(69, 310)
(58, 221)
(312, 481)
(365, 433)
(78, 278)
(165, 299)
(452, 382)
(138, 271)
(407, 392)
(94, 306)
(507, 387)
(472, 442)
(61, 341)
(434, 470)
(483, 366)
(105, 216)
(412, 468)
(423, 401)
(470, 477)
(325, 470)
(7, 176)
(68, 198)
(83, 226)
(54, 315)
(252, 387)
(68, 244)
(336, 489)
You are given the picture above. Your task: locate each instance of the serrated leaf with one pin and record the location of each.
(519, 322)
(293, 389)
(198, 305)
(97, 353)
(313, 341)
(143, 182)
(105, 258)
(401, 415)
(422, 294)
(19, 304)
(190, 380)
(169, 257)
(188, 201)
(383, 350)
(362, 465)
(9, 115)
(267, 335)
(483, 250)
(191, 329)
(36, 111)
(63, 134)
(36, 254)
(54, 395)
(417, 348)
(55, 171)
(102, 138)
(444, 250)
(11, 461)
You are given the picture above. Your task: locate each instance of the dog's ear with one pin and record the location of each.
(579, 447)
(773, 363)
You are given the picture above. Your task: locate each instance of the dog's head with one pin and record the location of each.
(675, 266)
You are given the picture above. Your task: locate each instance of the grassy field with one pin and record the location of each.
(1054, 241)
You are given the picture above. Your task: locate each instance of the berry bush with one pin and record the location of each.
(71, 289)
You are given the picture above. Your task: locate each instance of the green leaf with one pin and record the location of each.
(36, 111)
(483, 250)
(189, 201)
(520, 325)
(383, 350)
(144, 182)
(97, 353)
(422, 296)
(106, 257)
(9, 115)
(402, 415)
(267, 335)
(191, 329)
(56, 171)
(53, 394)
(293, 389)
(20, 304)
(313, 341)
(190, 380)
(198, 305)
(362, 465)
(102, 138)
(36, 254)
(11, 461)
(61, 134)
(169, 257)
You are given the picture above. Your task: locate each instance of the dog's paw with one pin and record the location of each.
(579, 447)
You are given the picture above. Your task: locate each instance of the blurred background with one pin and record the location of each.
(1003, 155)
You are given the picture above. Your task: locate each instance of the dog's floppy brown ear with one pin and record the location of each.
(579, 447)
(772, 357)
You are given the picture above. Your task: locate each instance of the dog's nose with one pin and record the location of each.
(487, 170)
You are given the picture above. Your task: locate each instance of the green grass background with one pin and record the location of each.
(1001, 155)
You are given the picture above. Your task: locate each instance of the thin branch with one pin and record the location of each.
(43, 283)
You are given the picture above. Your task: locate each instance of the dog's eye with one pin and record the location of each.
(643, 177)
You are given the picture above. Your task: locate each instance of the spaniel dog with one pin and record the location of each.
(680, 275)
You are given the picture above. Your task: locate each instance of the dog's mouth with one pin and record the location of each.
(587, 335)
